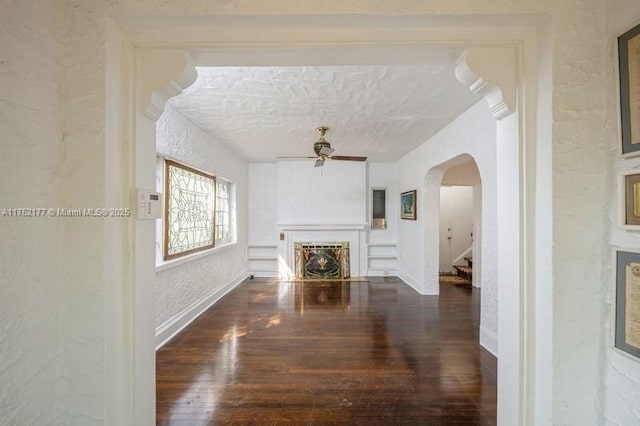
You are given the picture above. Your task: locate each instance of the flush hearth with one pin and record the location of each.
(325, 260)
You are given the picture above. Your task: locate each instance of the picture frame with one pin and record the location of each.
(629, 90)
(626, 335)
(408, 205)
(629, 199)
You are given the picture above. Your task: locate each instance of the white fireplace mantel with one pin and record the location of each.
(324, 226)
(292, 232)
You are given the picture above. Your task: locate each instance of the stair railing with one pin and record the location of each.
(462, 256)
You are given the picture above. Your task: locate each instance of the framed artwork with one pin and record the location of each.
(629, 70)
(408, 205)
(629, 200)
(627, 306)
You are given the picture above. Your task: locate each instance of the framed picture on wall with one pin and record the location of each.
(629, 199)
(629, 71)
(627, 305)
(408, 205)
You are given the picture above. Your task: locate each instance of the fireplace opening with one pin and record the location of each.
(322, 260)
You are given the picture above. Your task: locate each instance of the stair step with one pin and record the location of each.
(469, 261)
(464, 271)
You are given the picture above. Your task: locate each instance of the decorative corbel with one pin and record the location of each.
(491, 73)
(164, 74)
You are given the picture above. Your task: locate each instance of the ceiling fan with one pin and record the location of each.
(323, 150)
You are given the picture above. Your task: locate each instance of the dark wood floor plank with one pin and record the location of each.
(324, 353)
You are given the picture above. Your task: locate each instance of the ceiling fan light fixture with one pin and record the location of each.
(321, 143)
(323, 150)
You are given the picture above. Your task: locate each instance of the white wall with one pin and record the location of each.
(263, 221)
(335, 193)
(263, 203)
(462, 174)
(473, 133)
(183, 290)
(32, 336)
(621, 373)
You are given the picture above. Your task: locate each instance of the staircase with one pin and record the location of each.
(463, 274)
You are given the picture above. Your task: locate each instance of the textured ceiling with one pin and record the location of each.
(381, 112)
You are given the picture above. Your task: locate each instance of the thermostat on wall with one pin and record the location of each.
(149, 205)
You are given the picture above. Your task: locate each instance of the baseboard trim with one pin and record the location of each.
(489, 340)
(177, 323)
(264, 274)
(409, 280)
(382, 273)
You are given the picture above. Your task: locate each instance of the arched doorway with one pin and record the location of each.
(461, 223)
(163, 69)
(484, 257)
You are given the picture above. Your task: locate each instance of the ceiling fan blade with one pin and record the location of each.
(297, 157)
(319, 162)
(325, 150)
(348, 158)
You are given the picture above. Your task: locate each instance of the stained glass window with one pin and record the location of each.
(189, 211)
(222, 211)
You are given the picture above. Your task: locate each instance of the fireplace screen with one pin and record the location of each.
(322, 260)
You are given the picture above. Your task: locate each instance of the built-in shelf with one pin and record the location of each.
(263, 259)
(382, 259)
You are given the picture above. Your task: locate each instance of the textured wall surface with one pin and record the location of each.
(578, 199)
(82, 246)
(473, 133)
(334, 193)
(181, 286)
(263, 198)
(31, 132)
(621, 387)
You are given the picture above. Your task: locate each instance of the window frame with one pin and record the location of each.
(165, 220)
(229, 239)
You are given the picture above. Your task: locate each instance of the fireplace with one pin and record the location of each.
(322, 261)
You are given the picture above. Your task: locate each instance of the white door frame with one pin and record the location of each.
(148, 61)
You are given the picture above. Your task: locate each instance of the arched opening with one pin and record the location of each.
(480, 189)
(461, 224)
(136, 312)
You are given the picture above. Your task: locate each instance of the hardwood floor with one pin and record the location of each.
(369, 352)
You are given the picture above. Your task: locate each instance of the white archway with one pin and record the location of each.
(486, 242)
(432, 184)
(461, 219)
(161, 67)
(432, 195)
